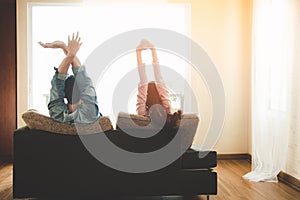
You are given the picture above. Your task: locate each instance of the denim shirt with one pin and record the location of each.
(86, 112)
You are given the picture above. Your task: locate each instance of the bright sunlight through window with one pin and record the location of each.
(97, 23)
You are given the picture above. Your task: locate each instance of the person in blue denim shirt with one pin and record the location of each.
(82, 105)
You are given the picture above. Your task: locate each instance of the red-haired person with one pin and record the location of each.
(153, 97)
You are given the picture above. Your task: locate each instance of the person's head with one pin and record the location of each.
(161, 118)
(153, 96)
(156, 110)
(72, 93)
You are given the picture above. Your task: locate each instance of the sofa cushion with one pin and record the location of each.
(131, 121)
(137, 123)
(36, 120)
(125, 121)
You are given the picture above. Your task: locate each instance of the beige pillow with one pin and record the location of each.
(36, 120)
(140, 124)
(124, 120)
(133, 121)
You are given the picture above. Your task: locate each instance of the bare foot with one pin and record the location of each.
(149, 45)
(73, 44)
(145, 44)
(56, 44)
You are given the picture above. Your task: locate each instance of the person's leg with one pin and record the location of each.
(141, 107)
(58, 110)
(156, 68)
(161, 87)
(57, 106)
(84, 84)
(88, 110)
(73, 47)
(61, 45)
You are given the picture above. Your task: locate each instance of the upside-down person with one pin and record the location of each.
(153, 97)
(78, 89)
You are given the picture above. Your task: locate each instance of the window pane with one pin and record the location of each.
(96, 24)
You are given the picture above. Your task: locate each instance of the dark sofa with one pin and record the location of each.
(51, 165)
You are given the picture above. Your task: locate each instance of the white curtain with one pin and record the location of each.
(273, 86)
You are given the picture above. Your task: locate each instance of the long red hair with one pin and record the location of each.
(153, 96)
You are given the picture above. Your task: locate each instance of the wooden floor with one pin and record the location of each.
(231, 185)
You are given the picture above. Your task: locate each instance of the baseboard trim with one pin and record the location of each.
(289, 180)
(243, 156)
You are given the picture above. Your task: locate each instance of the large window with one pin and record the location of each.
(97, 23)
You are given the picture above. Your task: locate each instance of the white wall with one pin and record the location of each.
(223, 29)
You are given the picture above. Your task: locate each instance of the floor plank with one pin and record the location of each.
(5, 180)
(231, 185)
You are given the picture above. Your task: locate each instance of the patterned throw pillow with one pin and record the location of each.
(133, 121)
(140, 124)
(36, 120)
